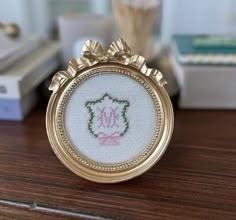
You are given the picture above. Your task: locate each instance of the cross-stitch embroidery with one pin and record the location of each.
(108, 122)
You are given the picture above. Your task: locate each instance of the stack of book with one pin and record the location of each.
(23, 67)
(205, 68)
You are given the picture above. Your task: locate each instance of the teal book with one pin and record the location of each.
(204, 49)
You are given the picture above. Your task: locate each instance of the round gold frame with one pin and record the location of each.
(94, 62)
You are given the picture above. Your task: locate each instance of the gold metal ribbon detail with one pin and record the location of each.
(93, 53)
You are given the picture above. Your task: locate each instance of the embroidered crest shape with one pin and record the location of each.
(108, 122)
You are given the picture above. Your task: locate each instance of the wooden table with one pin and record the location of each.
(195, 179)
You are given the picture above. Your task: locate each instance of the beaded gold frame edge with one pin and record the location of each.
(95, 60)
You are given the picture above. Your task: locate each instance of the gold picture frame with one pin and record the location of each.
(97, 62)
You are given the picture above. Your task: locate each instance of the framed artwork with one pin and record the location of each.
(109, 118)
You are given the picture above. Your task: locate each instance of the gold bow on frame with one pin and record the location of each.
(93, 53)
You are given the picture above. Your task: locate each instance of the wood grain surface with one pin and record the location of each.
(195, 179)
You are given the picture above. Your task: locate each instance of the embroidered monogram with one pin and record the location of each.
(108, 122)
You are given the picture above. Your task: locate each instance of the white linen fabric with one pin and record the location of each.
(141, 116)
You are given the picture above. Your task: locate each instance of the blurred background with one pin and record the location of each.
(192, 42)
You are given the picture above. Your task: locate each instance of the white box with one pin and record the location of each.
(16, 109)
(74, 27)
(28, 72)
(206, 86)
